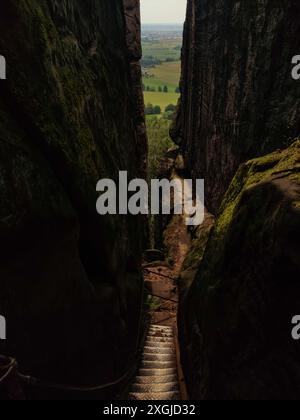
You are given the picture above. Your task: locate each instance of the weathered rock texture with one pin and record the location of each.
(239, 100)
(70, 280)
(236, 318)
(200, 236)
(133, 37)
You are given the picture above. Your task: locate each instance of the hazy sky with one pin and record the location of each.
(163, 11)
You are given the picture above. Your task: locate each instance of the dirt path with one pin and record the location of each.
(161, 280)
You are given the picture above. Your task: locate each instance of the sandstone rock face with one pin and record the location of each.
(134, 46)
(70, 280)
(200, 236)
(239, 100)
(235, 322)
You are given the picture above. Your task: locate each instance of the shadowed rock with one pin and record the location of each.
(239, 99)
(236, 318)
(70, 280)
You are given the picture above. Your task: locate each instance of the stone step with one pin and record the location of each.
(156, 365)
(163, 379)
(155, 396)
(162, 329)
(160, 339)
(154, 387)
(158, 357)
(160, 345)
(159, 334)
(159, 350)
(157, 378)
(157, 372)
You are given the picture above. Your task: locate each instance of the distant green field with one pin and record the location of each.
(161, 99)
(166, 74)
(166, 48)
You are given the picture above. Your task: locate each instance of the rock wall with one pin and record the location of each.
(70, 114)
(239, 100)
(239, 288)
(236, 319)
(134, 46)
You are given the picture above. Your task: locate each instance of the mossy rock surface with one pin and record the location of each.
(236, 318)
(70, 280)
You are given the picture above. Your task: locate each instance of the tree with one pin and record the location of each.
(170, 108)
(166, 90)
(149, 109)
(157, 110)
(160, 89)
(147, 88)
(168, 115)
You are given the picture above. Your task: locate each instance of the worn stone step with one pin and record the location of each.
(161, 329)
(163, 379)
(156, 365)
(154, 387)
(160, 339)
(155, 396)
(159, 334)
(160, 345)
(150, 357)
(166, 327)
(159, 350)
(158, 331)
(157, 371)
(157, 378)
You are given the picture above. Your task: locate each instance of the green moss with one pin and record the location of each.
(196, 253)
(251, 180)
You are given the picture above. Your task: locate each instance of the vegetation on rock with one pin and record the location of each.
(236, 315)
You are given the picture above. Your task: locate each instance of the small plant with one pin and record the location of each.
(152, 303)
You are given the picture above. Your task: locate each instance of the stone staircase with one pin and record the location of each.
(157, 378)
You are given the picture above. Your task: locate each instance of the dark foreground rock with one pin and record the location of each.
(236, 318)
(70, 280)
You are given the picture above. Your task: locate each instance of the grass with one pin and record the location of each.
(159, 143)
(166, 74)
(166, 48)
(161, 99)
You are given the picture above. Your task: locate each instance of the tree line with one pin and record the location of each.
(156, 110)
(162, 89)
